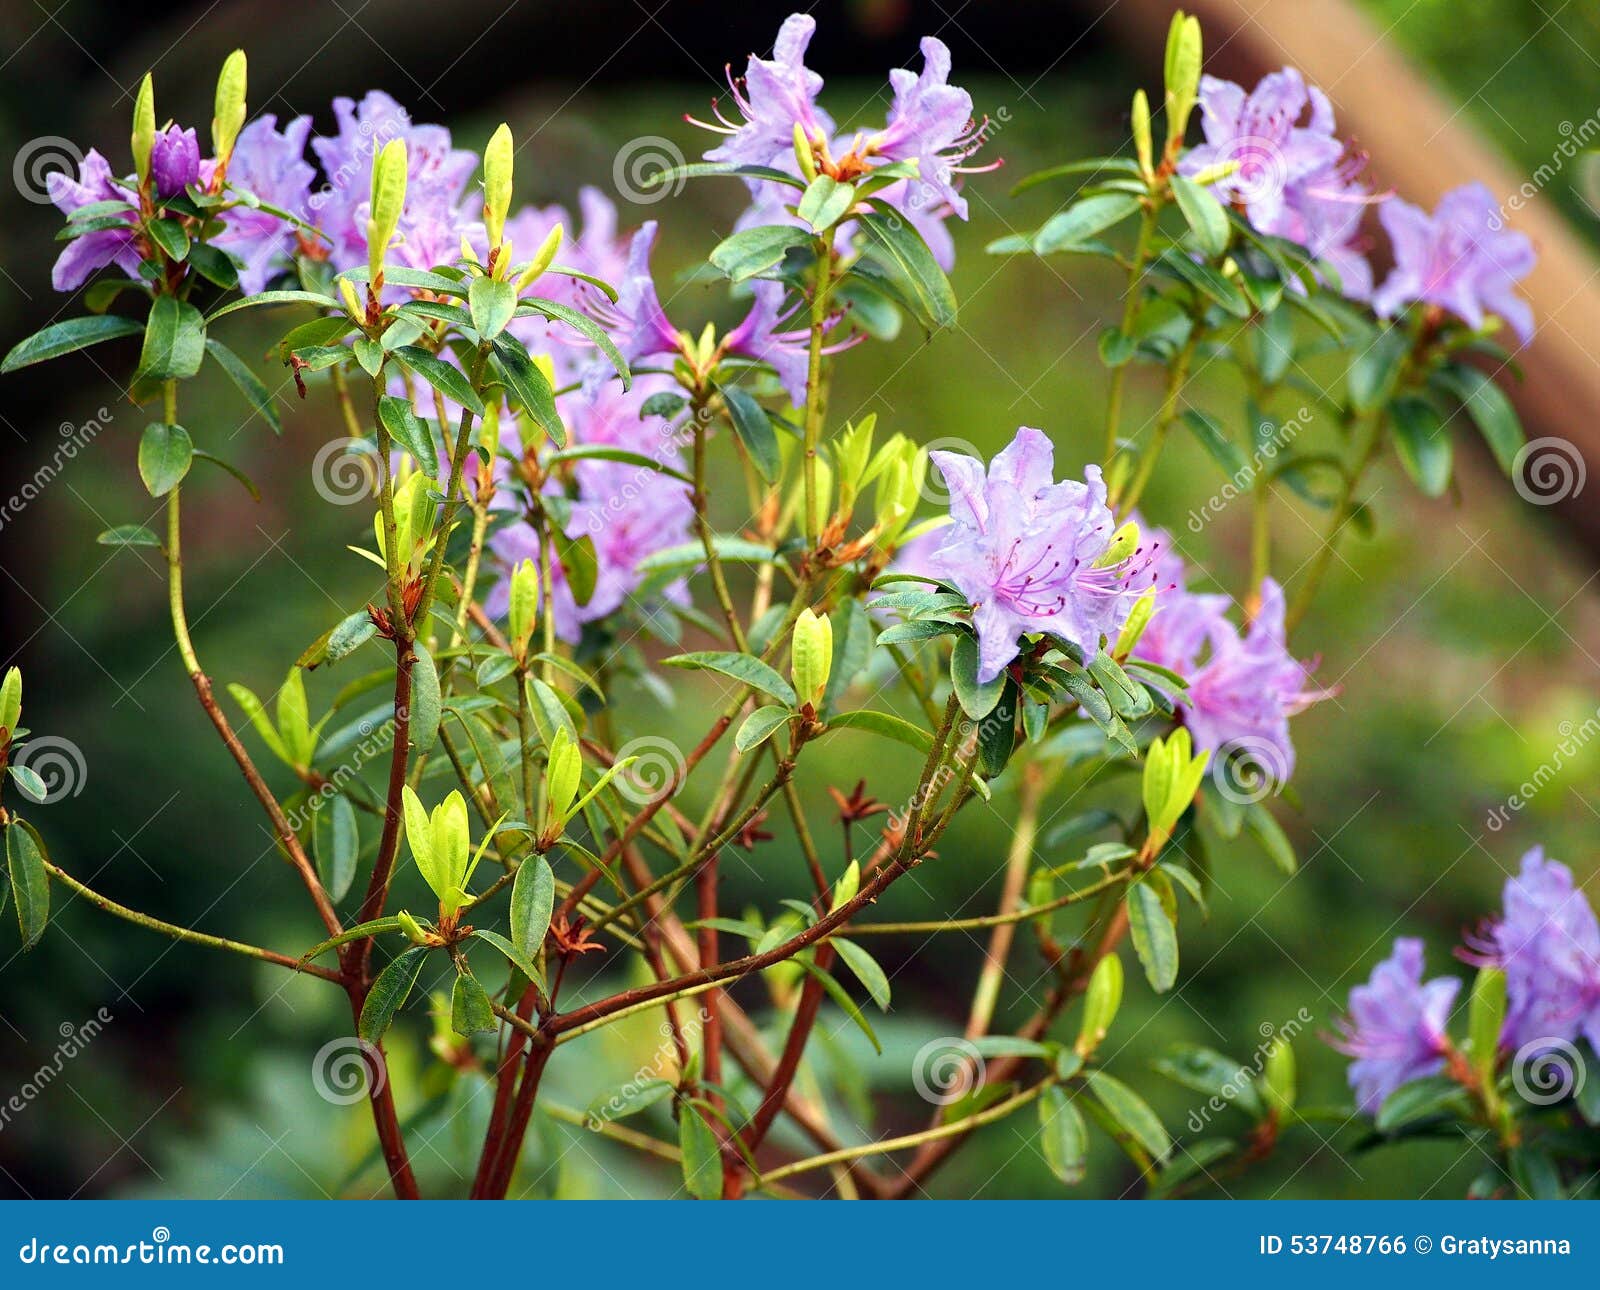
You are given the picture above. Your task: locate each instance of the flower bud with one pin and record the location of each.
(851, 451)
(1486, 1014)
(144, 128)
(811, 656)
(411, 928)
(11, 700)
(228, 119)
(497, 159)
(563, 772)
(1182, 75)
(1100, 1003)
(524, 610)
(388, 201)
(352, 301)
(543, 258)
(803, 155)
(844, 891)
(1277, 1077)
(1141, 133)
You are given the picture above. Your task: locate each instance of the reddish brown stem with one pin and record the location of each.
(359, 953)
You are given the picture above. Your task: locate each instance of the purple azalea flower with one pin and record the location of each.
(84, 256)
(1241, 698)
(638, 324)
(270, 164)
(1460, 258)
(1262, 132)
(1324, 214)
(1396, 1027)
(760, 337)
(435, 216)
(930, 122)
(1022, 549)
(773, 96)
(174, 161)
(1548, 943)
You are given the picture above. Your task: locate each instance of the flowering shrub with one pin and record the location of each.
(541, 436)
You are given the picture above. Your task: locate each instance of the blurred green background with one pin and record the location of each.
(1462, 637)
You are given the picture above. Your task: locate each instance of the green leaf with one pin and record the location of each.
(128, 535)
(625, 1100)
(400, 419)
(1373, 369)
(530, 387)
(1486, 1015)
(755, 431)
(1082, 220)
(470, 1009)
(372, 927)
(168, 234)
(30, 782)
(174, 341)
(30, 884)
(1489, 409)
(605, 452)
(448, 380)
(65, 337)
(1205, 216)
(1154, 938)
(214, 265)
(533, 900)
(1130, 1112)
(753, 250)
(1421, 1099)
(1207, 1071)
(1208, 282)
(1129, 698)
(759, 725)
(908, 259)
(513, 955)
(257, 714)
(1270, 835)
(1063, 1136)
(841, 997)
(740, 667)
(389, 993)
(997, 733)
(348, 636)
(1422, 442)
(825, 202)
(866, 969)
(885, 724)
(276, 298)
(425, 701)
(977, 698)
(493, 303)
(336, 841)
(584, 324)
(702, 1154)
(165, 453)
(256, 394)
(1223, 450)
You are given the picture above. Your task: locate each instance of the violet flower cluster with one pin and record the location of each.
(1294, 178)
(929, 122)
(1546, 941)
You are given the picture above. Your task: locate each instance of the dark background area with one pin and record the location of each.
(1463, 636)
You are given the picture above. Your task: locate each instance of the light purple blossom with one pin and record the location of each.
(1460, 258)
(1396, 1026)
(773, 96)
(174, 161)
(930, 122)
(84, 256)
(1262, 132)
(1022, 549)
(1548, 943)
(269, 163)
(1324, 215)
(436, 215)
